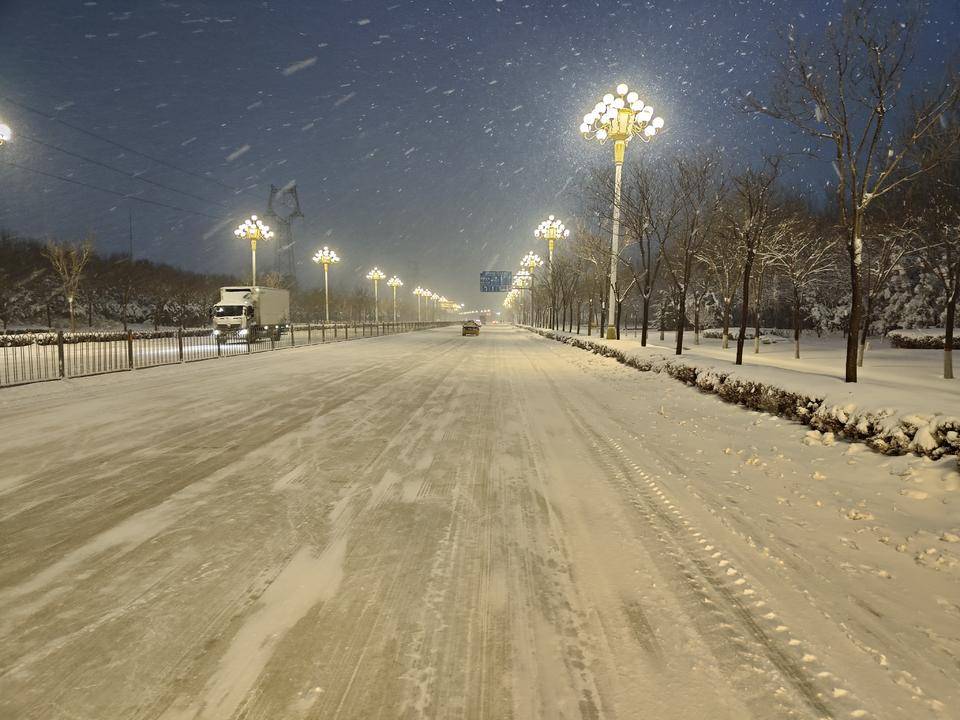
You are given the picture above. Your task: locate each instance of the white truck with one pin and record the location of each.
(251, 312)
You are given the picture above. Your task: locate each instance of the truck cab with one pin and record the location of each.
(251, 312)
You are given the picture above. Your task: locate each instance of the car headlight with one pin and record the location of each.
(243, 333)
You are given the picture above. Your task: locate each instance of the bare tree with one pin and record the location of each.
(840, 89)
(649, 216)
(698, 188)
(804, 261)
(937, 199)
(747, 217)
(68, 261)
(723, 257)
(884, 254)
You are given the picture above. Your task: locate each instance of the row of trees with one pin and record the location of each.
(702, 235)
(62, 283)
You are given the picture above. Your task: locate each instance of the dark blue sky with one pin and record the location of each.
(428, 137)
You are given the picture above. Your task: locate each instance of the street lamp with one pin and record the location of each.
(253, 229)
(553, 230)
(376, 275)
(522, 280)
(532, 261)
(5, 133)
(394, 283)
(326, 257)
(619, 118)
(419, 292)
(436, 299)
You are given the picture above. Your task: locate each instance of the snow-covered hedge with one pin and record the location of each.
(928, 339)
(767, 335)
(931, 435)
(22, 339)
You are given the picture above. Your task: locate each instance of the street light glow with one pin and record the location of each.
(326, 256)
(5, 133)
(253, 229)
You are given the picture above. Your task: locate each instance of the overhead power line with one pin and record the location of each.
(125, 196)
(123, 147)
(119, 170)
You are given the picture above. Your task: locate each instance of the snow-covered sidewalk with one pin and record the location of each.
(900, 404)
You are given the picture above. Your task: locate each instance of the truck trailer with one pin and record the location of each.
(252, 312)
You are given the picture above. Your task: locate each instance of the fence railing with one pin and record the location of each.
(37, 357)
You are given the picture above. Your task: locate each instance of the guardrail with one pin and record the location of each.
(38, 357)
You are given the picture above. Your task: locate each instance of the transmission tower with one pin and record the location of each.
(283, 207)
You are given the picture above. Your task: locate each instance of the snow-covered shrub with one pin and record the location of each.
(931, 435)
(926, 339)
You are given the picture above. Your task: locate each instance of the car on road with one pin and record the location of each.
(471, 327)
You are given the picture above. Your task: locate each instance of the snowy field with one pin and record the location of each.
(426, 525)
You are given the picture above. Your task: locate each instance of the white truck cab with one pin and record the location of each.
(251, 312)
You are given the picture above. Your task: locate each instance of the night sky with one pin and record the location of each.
(427, 137)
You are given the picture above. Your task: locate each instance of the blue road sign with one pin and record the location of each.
(496, 281)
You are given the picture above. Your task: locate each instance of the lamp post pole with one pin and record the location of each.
(376, 275)
(532, 262)
(394, 283)
(418, 291)
(326, 257)
(253, 229)
(618, 118)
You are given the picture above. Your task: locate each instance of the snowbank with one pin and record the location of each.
(885, 429)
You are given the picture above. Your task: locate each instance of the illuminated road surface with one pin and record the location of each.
(432, 526)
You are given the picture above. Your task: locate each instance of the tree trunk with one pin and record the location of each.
(663, 322)
(727, 302)
(590, 318)
(948, 334)
(645, 322)
(616, 317)
(745, 307)
(864, 330)
(796, 325)
(73, 324)
(579, 312)
(696, 322)
(756, 314)
(855, 252)
(681, 320)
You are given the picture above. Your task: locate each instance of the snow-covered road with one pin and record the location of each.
(432, 526)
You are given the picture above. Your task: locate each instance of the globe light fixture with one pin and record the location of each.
(619, 118)
(253, 229)
(394, 283)
(376, 275)
(552, 229)
(326, 257)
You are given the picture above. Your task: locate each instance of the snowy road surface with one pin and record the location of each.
(432, 526)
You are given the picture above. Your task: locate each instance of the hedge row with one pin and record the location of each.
(933, 436)
(50, 338)
(916, 341)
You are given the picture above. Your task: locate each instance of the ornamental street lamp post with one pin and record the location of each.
(553, 230)
(376, 275)
(521, 281)
(326, 257)
(253, 229)
(419, 292)
(436, 300)
(532, 261)
(394, 283)
(619, 118)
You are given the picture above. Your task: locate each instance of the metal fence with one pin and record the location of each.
(37, 357)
